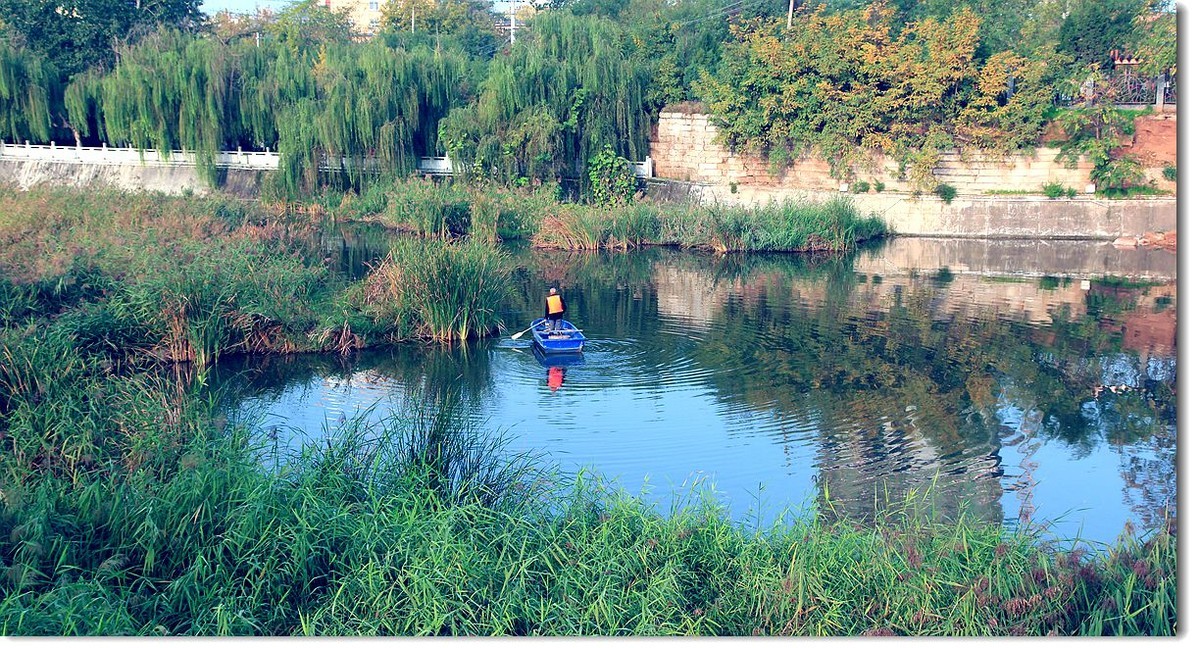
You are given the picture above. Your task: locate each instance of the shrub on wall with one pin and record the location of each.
(946, 192)
(847, 84)
(611, 178)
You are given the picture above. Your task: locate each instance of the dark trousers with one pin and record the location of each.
(555, 321)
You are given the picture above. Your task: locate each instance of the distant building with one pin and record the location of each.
(365, 15)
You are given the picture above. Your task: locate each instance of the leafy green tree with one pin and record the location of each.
(76, 34)
(1002, 22)
(1156, 37)
(307, 25)
(849, 84)
(29, 85)
(467, 24)
(1095, 28)
(570, 87)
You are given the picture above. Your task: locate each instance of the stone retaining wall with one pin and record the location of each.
(964, 217)
(687, 148)
(689, 160)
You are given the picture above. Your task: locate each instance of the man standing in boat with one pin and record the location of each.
(556, 309)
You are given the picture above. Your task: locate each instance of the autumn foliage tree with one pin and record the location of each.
(847, 85)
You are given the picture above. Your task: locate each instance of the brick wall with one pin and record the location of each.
(687, 148)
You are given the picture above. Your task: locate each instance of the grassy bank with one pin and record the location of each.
(185, 279)
(489, 212)
(130, 506)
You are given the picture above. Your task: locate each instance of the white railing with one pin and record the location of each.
(128, 156)
(239, 159)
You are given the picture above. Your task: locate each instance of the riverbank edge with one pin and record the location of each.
(976, 216)
(965, 216)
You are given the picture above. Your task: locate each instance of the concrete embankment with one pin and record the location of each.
(169, 179)
(972, 216)
(997, 197)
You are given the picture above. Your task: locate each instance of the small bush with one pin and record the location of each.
(1118, 175)
(1054, 190)
(444, 291)
(613, 181)
(945, 192)
(1169, 173)
(862, 186)
(878, 186)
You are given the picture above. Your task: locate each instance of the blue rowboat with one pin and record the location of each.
(567, 340)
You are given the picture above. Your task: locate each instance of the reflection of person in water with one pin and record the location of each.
(554, 377)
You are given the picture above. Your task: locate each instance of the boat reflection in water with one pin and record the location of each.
(556, 365)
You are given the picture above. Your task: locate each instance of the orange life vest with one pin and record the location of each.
(554, 304)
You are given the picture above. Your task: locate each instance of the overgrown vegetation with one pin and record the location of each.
(491, 212)
(150, 513)
(913, 94)
(132, 505)
(184, 280)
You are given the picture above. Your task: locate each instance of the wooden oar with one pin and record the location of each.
(517, 335)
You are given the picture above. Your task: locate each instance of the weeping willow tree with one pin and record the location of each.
(29, 85)
(375, 109)
(336, 111)
(170, 91)
(569, 88)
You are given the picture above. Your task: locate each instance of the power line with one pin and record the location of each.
(726, 10)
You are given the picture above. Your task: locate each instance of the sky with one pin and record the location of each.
(240, 6)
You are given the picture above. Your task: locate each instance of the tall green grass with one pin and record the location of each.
(776, 227)
(444, 290)
(447, 209)
(132, 506)
(159, 278)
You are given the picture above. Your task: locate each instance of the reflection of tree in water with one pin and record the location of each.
(927, 366)
(1149, 470)
(1132, 421)
(903, 379)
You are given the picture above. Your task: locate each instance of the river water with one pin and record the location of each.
(1031, 383)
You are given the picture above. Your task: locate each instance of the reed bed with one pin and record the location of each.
(445, 208)
(443, 290)
(835, 226)
(177, 280)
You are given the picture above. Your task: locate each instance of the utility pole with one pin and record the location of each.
(412, 20)
(791, 8)
(512, 22)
